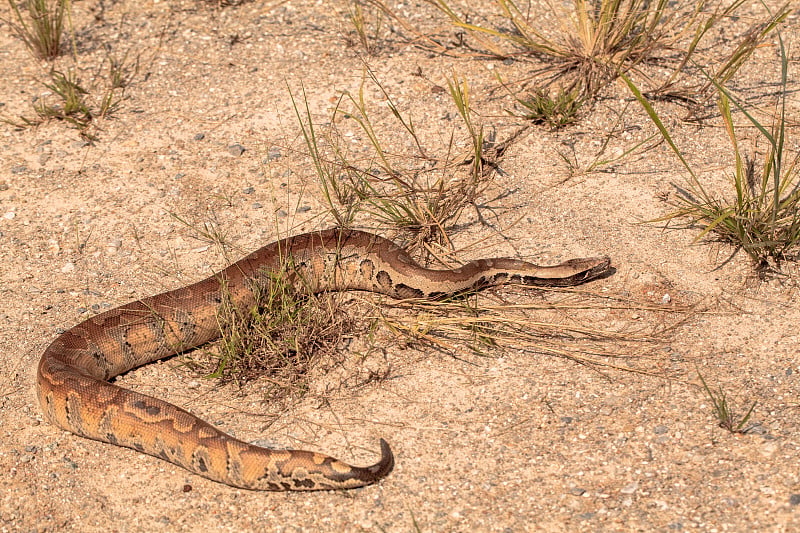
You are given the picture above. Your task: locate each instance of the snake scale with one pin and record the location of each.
(73, 376)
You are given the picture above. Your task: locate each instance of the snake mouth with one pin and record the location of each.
(572, 272)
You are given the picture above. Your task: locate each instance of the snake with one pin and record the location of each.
(74, 378)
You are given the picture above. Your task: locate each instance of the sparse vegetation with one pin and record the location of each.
(599, 39)
(553, 110)
(594, 41)
(421, 193)
(477, 324)
(762, 216)
(724, 411)
(367, 23)
(41, 26)
(279, 334)
(70, 101)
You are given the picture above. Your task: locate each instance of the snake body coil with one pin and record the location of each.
(74, 372)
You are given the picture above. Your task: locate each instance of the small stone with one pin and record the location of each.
(508, 61)
(10, 215)
(282, 214)
(794, 499)
(199, 136)
(660, 429)
(69, 267)
(248, 190)
(179, 175)
(630, 488)
(257, 205)
(789, 371)
(19, 169)
(566, 419)
(577, 491)
(666, 299)
(236, 149)
(303, 209)
(273, 154)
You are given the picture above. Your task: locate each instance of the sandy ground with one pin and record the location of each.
(512, 442)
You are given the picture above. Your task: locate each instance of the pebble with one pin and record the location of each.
(273, 154)
(199, 136)
(303, 209)
(257, 205)
(794, 499)
(10, 215)
(19, 169)
(282, 214)
(69, 267)
(666, 299)
(248, 190)
(630, 488)
(236, 149)
(660, 429)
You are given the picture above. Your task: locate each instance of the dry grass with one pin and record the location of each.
(280, 337)
(422, 192)
(481, 324)
(587, 44)
(762, 215)
(41, 27)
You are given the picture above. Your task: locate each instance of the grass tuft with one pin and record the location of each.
(279, 335)
(724, 411)
(42, 25)
(554, 110)
(593, 41)
(762, 216)
(418, 192)
(367, 26)
(71, 102)
(598, 40)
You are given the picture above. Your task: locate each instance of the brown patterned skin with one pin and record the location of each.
(74, 371)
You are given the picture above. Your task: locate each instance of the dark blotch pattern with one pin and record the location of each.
(384, 280)
(300, 483)
(408, 292)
